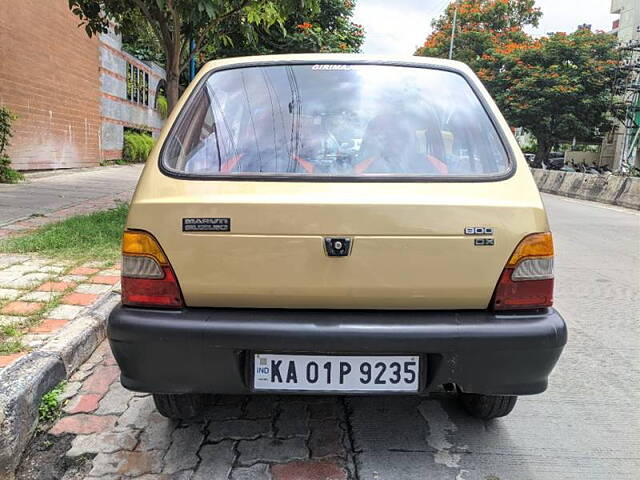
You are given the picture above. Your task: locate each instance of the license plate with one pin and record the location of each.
(331, 373)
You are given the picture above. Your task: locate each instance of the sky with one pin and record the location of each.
(397, 27)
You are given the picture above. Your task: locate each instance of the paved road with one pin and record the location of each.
(54, 192)
(586, 426)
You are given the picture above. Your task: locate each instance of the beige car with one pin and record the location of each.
(336, 224)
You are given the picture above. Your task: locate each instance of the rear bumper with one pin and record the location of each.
(199, 350)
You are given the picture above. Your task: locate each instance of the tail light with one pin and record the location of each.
(527, 279)
(147, 277)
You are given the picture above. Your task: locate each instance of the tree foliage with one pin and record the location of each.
(557, 87)
(326, 29)
(175, 23)
(138, 38)
(481, 26)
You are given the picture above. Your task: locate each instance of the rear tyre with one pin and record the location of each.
(486, 407)
(180, 407)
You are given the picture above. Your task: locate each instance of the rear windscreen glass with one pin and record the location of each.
(336, 121)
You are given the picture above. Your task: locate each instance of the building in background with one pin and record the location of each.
(129, 88)
(73, 95)
(621, 146)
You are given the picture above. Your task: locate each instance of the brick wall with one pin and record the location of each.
(49, 77)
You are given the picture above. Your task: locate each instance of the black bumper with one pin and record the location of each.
(198, 350)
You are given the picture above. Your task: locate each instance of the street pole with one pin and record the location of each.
(453, 30)
(192, 62)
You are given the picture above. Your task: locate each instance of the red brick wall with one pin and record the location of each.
(49, 77)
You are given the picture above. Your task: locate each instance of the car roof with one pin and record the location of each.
(338, 58)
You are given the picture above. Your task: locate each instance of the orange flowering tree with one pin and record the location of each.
(557, 87)
(481, 26)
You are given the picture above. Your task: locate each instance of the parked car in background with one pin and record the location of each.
(555, 161)
(336, 224)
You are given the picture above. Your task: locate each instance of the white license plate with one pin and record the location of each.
(331, 373)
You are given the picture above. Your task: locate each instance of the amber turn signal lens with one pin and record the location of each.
(535, 245)
(142, 243)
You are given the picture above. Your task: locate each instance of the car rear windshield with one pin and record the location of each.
(334, 121)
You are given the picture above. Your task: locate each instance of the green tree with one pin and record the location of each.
(329, 28)
(175, 23)
(481, 26)
(138, 38)
(557, 87)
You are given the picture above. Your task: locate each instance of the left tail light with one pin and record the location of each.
(147, 277)
(527, 279)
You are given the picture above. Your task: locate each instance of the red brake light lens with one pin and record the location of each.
(512, 295)
(152, 292)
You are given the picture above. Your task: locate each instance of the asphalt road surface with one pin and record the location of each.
(585, 427)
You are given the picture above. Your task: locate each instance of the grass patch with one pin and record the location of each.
(50, 404)
(96, 236)
(9, 330)
(10, 340)
(12, 345)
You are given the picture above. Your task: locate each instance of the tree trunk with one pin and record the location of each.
(544, 149)
(173, 78)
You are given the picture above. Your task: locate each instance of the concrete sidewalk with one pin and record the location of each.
(41, 200)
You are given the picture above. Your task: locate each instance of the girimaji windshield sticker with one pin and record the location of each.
(324, 66)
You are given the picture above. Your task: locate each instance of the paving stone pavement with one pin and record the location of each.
(37, 299)
(120, 434)
(114, 433)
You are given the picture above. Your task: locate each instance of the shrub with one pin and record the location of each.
(137, 147)
(162, 105)
(7, 174)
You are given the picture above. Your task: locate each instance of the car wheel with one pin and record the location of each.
(487, 407)
(180, 407)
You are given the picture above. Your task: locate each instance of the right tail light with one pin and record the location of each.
(527, 280)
